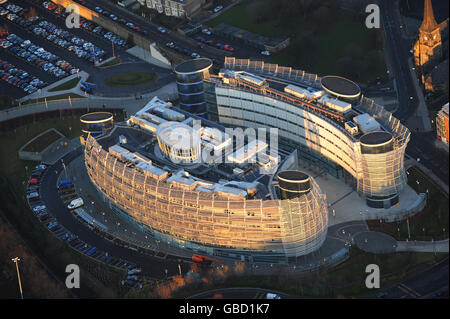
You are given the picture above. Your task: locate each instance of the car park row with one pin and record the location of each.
(83, 49)
(19, 78)
(36, 55)
(88, 25)
(43, 215)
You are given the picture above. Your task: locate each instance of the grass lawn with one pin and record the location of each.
(100, 280)
(40, 143)
(111, 62)
(130, 79)
(66, 85)
(431, 223)
(331, 43)
(238, 16)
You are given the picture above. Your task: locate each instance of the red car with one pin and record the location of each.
(52, 7)
(33, 181)
(228, 48)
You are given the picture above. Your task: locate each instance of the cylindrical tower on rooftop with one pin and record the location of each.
(190, 75)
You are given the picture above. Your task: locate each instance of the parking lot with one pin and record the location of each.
(41, 46)
(67, 194)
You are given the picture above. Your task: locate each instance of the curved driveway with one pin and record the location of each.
(151, 266)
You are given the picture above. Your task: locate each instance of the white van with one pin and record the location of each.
(78, 202)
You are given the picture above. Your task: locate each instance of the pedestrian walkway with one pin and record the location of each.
(45, 93)
(420, 121)
(130, 104)
(440, 246)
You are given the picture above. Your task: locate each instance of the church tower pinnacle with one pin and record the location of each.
(428, 47)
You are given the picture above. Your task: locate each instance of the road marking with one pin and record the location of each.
(259, 295)
(409, 290)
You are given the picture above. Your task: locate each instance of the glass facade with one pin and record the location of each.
(96, 124)
(210, 220)
(378, 170)
(190, 89)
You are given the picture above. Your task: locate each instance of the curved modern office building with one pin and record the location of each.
(197, 208)
(324, 117)
(190, 75)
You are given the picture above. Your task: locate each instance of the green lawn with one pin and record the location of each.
(431, 223)
(40, 143)
(113, 61)
(238, 16)
(66, 85)
(130, 79)
(101, 281)
(317, 47)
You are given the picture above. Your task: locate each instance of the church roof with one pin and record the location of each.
(429, 22)
(439, 74)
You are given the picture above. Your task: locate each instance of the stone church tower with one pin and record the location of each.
(428, 48)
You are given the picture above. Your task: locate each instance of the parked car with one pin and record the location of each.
(265, 52)
(33, 181)
(228, 48)
(32, 195)
(217, 9)
(206, 31)
(78, 202)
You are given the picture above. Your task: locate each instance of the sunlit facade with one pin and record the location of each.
(378, 176)
(210, 223)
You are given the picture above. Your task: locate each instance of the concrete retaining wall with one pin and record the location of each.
(122, 31)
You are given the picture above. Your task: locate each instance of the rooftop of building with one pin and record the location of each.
(334, 109)
(136, 144)
(340, 86)
(376, 138)
(193, 66)
(439, 74)
(96, 117)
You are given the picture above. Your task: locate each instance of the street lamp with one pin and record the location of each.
(16, 261)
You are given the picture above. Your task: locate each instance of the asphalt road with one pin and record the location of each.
(154, 34)
(237, 293)
(241, 51)
(129, 62)
(423, 146)
(398, 51)
(151, 266)
(423, 285)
